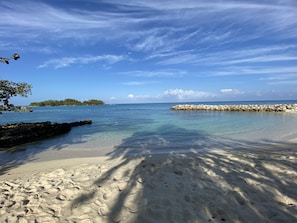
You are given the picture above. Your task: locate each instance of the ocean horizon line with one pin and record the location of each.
(272, 101)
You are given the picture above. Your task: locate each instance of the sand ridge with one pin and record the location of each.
(246, 185)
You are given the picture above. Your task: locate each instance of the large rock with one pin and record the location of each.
(20, 133)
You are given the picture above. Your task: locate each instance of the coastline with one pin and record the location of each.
(247, 184)
(206, 179)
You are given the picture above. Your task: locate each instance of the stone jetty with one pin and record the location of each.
(237, 108)
(21, 133)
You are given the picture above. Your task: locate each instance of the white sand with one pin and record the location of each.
(246, 185)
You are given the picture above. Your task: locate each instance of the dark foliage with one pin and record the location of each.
(67, 101)
(10, 89)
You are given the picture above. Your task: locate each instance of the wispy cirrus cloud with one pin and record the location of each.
(277, 20)
(67, 61)
(156, 73)
(138, 83)
(261, 61)
(52, 23)
(254, 70)
(142, 17)
(284, 82)
(235, 56)
(170, 39)
(289, 78)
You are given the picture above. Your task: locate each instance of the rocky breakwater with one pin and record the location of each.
(21, 133)
(237, 108)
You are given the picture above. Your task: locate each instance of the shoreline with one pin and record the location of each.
(248, 184)
(25, 170)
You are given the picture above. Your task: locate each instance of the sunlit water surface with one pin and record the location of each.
(147, 128)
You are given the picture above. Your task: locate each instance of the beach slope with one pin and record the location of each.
(237, 185)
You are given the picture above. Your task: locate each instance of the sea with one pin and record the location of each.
(132, 129)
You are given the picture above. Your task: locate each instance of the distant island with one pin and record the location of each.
(66, 102)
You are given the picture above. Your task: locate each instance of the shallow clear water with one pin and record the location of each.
(149, 128)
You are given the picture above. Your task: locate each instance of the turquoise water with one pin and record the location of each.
(149, 128)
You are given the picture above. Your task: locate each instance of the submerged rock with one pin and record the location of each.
(21, 133)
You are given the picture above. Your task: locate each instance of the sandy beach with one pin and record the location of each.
(247, 184)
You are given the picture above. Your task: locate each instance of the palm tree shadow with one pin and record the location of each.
(18, 155)
(197, 183)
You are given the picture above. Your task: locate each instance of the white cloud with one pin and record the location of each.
(226, 90)
(67, 61)
(140, 98)
(181, 94)
(231, 91)
(173, 95)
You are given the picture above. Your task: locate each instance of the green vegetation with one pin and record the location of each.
(10, 89)
(67, 101)
(7, 59)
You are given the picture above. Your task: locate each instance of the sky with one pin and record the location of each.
(140, 51)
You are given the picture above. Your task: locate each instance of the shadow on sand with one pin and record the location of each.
(197, 183)
(13, 157)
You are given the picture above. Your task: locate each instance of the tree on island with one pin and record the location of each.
(10, 89)
(67, 101)
(93, 102)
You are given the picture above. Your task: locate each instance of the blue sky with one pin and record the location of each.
(151, 51)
